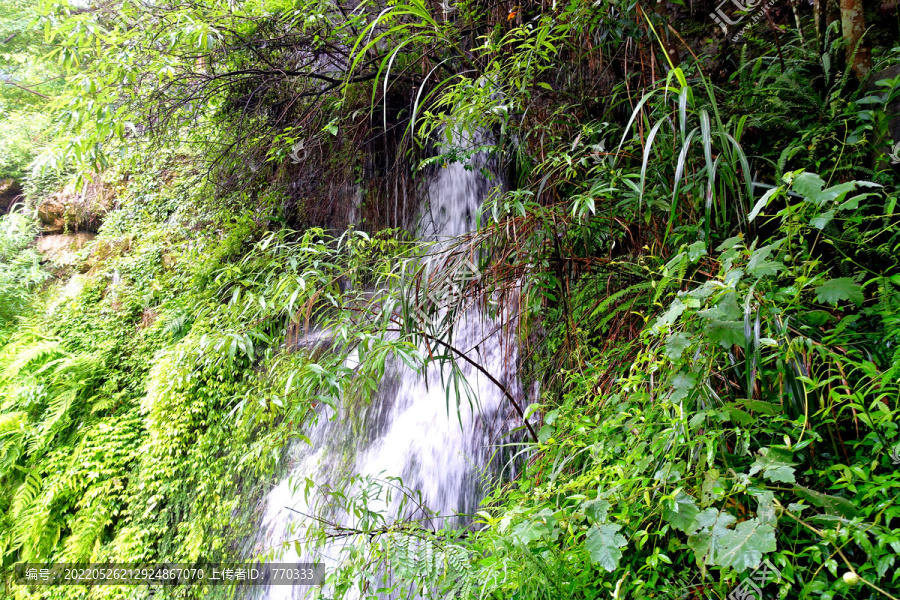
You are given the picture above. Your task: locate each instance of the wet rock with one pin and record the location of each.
(106, 249)
(61, 249)
(74, 210)
(10, 193)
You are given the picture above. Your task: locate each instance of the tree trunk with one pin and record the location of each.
(853, 26)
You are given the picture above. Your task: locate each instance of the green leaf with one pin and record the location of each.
(535, 528)
(726, 309)
(681, 511)
(842, 288)
(759, 264)
(730, 243)
(545, 433)
(762, 203)
(762, 407)
(675, 309)
(706, 532)
(852, 203)
(780, 474)
(676, 344)
(817, 318)
(765, 508)
(726, 333)
(808, 185)
(835, 192)
(775, 464)
(682, 385)
(744, 547)
(820, 221)
(738, 416)
(596, 510)
(696, 250)
(531, 409)
(603, 543)
(831, 504)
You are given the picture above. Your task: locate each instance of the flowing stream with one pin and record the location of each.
(410, 430)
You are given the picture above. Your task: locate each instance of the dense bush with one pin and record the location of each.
(20, 271)
(703, 267)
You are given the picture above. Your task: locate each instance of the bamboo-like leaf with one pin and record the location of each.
(647, 148)
(763, 202)
(682, 111)
(706, 141)
(679, 170)
(745, 165)
(634, 115)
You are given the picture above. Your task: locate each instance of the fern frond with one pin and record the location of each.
(87, 530)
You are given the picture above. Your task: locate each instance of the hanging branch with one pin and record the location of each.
(484, 372)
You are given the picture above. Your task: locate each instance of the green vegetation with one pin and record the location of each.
(699, 240)
(28, 83)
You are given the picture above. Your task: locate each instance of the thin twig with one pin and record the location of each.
(22, 87)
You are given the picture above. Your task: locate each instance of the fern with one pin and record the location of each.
(87, 531)
(12, 436)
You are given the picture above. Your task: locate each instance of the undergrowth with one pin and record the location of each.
(702, 271)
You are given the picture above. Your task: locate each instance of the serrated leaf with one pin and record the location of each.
(596, 510)
(775, 464)
(603, 543)
(744, 547)
(706, 532)
(780, 474)
(765, 508)
(820, 221)
(852, 203)
(676, 344)
(836, 192)
(681, 511)
(726, 309)
(536, 527)
(842, 288)
(741, 417)
(675, 309)
(759, 264)
(730, 243)
(682, 385)
(725, 333)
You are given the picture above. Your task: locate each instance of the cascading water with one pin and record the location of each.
(409, 430)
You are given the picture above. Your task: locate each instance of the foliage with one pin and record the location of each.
(756, 418)
(145, 395)
(20, 272)
(27, 82)
(701, 270)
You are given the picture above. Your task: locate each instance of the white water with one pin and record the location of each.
(409, 431)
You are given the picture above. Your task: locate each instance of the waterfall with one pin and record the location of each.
(412, 429)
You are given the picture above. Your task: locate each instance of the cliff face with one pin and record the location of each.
(60, 249)
(76, 209)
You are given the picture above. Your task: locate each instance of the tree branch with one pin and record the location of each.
(22, 87)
